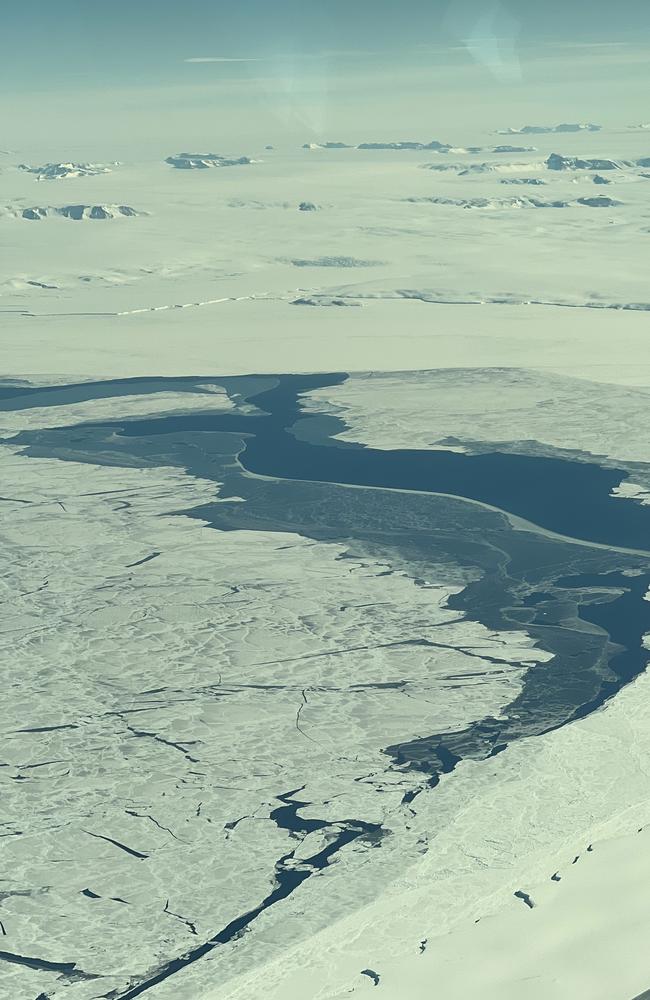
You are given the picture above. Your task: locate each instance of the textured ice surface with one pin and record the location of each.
(202, 673)
(517, 409)
(162, 694)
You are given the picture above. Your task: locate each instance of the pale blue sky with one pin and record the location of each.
(56, 43)
(74, 72)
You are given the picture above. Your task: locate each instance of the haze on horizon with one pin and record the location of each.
(112, 73)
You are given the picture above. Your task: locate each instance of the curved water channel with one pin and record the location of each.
(570, 498)
(598, 589)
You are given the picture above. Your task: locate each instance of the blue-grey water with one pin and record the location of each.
(571, 498)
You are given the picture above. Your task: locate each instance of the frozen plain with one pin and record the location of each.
(210, 242)
(205, 283)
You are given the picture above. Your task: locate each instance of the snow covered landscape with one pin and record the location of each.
(325, 497)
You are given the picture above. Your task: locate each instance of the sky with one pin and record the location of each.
(57, 43)
(72, 70)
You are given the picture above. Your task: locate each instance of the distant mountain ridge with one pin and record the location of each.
(76, 212)
(435, 145)
(557, 162)
(522, 202)
(59, 171)
(205, 161)
(545, 129)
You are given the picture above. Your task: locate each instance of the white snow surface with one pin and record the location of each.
(470, 408)
(173, 645)
(205, 246)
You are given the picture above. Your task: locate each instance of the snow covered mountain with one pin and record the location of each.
(438, 147)
(327, 145)
(596, 202)
(441, 147)
(76, 212)
(544, 129)
(557, 162)
(204, 161)
(60, 171)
